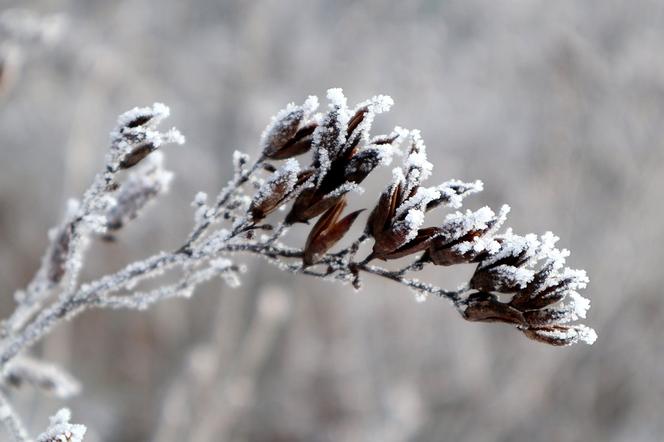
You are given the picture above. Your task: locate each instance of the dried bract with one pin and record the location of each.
(327, 232)
(343, 155)
(276, 190)
(291, 131)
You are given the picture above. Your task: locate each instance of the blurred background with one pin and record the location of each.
(557, 106)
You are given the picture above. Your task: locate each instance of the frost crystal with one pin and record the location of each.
(60, 430)
(337, 97)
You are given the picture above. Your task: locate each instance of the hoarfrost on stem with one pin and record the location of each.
(541, 296)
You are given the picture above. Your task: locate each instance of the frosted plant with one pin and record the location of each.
(518, 279)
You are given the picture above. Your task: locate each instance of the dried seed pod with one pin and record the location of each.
(554, 288)
(328, 140)
(396, 222)
(282, 130)
(136, 155)
(356, 120)
(506, 269)
(501, 278)
(276, 190)
(299, 144)
(561, 335)
(550, 316)
(485, 307)
(327, 232)
(290, 132)
(384, 210)
(363, 163)
(467, 237)
(416, 245)
(135, 136)
(139, 189)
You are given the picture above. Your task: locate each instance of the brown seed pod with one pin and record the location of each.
(416, 245)
(485, 307)
(327, 232)
(276, 190)
(299, 144)
(137, 154)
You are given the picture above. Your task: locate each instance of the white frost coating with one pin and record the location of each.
(154, 116)
(285, 176)
(148, 180)
(520, 276)
(549, 253)
(137, 129)
(571, 334)
(449, 192)
(479, 220)
(157, 112)
(420, 296)
(579, 304)
(345, 188)
(200, 199)
(458, 224)
(337, 97)
(282, 123)
(291, 166)
(413, 221)
(397, 175)
(240, 159)
(401, 136)
(382, 103)
(586, 334)
(173, 136)
(476, 220)
(330, 135)
(419, 201)
(310, 105)
(73, 205)
(579, 278)
(512, 245)
(60, 429)
(376, 105)
(416, 162)
(500, 219)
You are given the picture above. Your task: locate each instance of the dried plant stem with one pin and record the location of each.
(544, 293)
(222, 200)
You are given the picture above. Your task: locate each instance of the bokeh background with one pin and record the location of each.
(557, 106)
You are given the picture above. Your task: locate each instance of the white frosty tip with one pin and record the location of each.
(61, 430)
(200, 199)
(587, 334)
(380, 103)
(157, 112)
(337, 97)
(310, 104)
(579, 304)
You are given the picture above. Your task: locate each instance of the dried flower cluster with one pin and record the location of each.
(519, 280)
